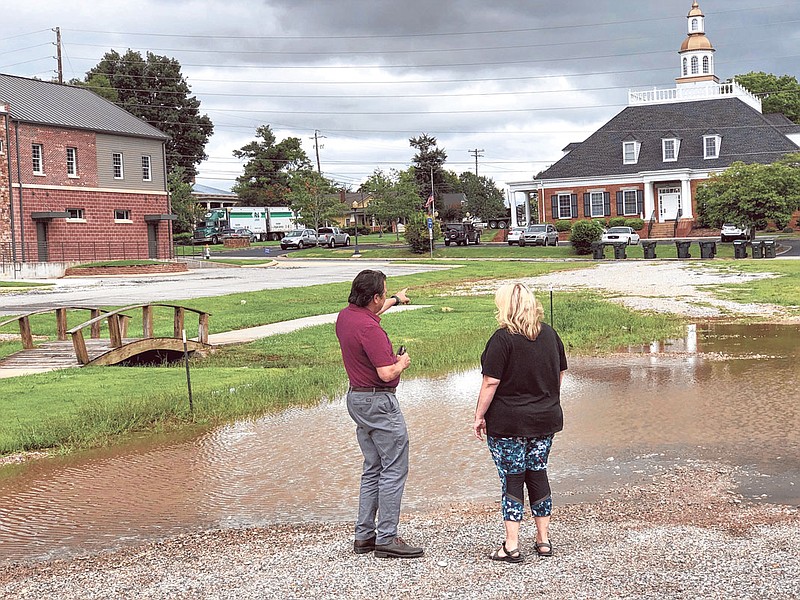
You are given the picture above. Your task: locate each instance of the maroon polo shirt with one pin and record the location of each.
(365, 346)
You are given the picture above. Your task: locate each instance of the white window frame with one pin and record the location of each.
(706, 65)
(635, 147)
(2, 147)
(628, 195)
(675, 147)
(685, 66)
(593, 196)
(122, 215)
(117, 165)
(561, 198)
(695, 62)
(717, 142)
(147, 168)
(72, 162)
(37, 159)
(77, 215)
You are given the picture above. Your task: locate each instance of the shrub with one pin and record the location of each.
(182, 238)
(635, 224)
(583, 234)
(601, 223)
(362, 230)
(563, 225)
(416, 233)
(770, 229)
(788, 230)
(616, 222)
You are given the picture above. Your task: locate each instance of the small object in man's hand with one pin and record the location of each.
(401, 351)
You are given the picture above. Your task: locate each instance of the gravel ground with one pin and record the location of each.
(683, 535)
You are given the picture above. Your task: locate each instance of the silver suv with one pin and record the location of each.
(332, 236)
(299, 238)
(543, 234)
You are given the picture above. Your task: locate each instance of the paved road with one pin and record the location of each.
(196, 283)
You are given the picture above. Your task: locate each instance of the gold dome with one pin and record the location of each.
(696, 12)
(696, 42)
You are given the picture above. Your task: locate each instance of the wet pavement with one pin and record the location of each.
(725, 393)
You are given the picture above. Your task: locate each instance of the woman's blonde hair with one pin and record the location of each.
(518, 310)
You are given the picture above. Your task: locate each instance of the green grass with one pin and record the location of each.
(783, 290)
(15, 286)
(78, 408)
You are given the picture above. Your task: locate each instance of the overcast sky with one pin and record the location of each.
(516, 79)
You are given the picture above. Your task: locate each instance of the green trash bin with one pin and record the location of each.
(708, 249)
(740, 249)
(769, 248)
(598, 250)
(683, 248)
(619, 250)
(649, 248)
(758, 248)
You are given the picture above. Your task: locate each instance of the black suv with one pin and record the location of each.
(461, 233)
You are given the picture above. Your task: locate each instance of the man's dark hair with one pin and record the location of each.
(365, 286)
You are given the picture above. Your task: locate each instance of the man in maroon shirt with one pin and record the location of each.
(374, 372)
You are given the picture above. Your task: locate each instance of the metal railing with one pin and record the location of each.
(650, 223)
(677, 220)
(82, 251)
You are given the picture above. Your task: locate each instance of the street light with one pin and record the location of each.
(356, 253)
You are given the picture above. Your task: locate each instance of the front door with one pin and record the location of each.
(41, 241)
(669, 203)
(152, 240)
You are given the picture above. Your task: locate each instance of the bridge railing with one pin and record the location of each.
(117, 325)
(26, 333)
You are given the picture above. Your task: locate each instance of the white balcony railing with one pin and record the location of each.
(690, 93)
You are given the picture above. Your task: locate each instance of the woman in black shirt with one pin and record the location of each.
(519, 410)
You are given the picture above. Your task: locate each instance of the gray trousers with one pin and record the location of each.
(383, 438)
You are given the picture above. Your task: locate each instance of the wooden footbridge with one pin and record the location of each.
(117, 347)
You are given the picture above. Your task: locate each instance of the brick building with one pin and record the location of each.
(81, 179)
(648, 160)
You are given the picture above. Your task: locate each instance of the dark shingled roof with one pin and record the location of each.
(45, 103)
(783, 123)
(747, 136)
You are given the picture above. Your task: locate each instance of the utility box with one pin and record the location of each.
(708, 249)
(649, 248)
(740, 249)
(683, 248)
(769, 248)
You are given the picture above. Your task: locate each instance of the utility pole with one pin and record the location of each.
(58, 55)
(476, 153)
(316, 138)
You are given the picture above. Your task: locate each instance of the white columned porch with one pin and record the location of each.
(649, 199)
(686, 198)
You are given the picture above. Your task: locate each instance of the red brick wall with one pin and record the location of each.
(580, 191)
(55, 142)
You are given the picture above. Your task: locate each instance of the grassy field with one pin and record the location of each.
(78, 408)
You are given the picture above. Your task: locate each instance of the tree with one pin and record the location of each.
(484, 200)
(394, 196)
(100, 85)
(752, 194)
(428, 160)
(311, 195)
(778, 94)
(183, 204)
(417, 234)
(154, 90)
(265, 180)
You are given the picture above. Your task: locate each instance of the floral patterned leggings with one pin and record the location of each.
(522, 462)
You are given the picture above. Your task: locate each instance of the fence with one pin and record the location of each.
(82, 251)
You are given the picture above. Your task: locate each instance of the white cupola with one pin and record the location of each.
(696, 53)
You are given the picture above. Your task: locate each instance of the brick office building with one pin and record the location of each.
(649, 160)
(82, 179)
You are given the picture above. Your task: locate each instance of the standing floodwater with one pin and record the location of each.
(725, 393)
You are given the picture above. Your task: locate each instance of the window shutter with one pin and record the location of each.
(554, 204)
(639, 202)
(620, 204)
(587, 205)
(607, 204)
(574, 212)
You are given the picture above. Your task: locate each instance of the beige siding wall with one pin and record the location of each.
(132, 150)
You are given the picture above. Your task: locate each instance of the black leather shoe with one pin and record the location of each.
(364, 546)
(397, 548)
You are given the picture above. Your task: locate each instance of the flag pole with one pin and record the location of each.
(433, 211)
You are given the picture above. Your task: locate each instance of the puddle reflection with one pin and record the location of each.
(726, 393)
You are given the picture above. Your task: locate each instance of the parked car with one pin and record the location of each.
(733, 232)
(543, 234)
(299, 238)
(514, 235)
(238, 233)
(461, 234)
(621, 234)
(332, 236)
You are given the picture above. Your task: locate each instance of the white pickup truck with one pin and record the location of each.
(332, 237)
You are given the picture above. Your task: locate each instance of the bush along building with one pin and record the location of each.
(82, 179)
(648, 161)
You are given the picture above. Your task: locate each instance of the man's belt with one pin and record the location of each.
(374, 390)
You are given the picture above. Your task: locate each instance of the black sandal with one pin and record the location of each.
(510, 556)
(540, 545)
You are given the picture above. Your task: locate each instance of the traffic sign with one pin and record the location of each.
(430, 223)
